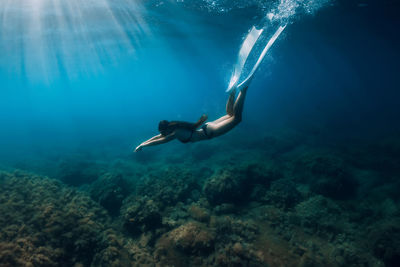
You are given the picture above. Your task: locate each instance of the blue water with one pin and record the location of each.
(308, 178)
(79, 75)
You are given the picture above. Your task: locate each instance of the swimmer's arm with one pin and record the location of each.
(156, 140)
(152, 139)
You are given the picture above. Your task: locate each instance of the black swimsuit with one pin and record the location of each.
(188, 140)
(204, 127)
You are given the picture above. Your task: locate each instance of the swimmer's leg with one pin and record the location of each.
(230, 103)
(229, 108)
(223, 118)
(238, 107)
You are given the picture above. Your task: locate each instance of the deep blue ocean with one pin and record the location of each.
(308, 178)
(75, 73)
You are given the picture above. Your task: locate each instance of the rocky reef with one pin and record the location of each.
(109, 191)
(287, 203)
(45, 223)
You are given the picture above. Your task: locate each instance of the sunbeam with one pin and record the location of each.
(50, 39)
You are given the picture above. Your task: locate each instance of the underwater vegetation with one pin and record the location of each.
(302, 206)
(45, 223)
(310, 176)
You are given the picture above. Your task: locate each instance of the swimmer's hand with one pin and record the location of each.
(138, 148)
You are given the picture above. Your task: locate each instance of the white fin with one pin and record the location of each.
(244, 53)
(247, 46)
(260, 59)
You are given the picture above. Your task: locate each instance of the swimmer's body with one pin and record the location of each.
(189, 132)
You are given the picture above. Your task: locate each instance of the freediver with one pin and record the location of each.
(190, 132)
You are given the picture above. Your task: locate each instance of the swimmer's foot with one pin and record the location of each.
(202, 119)
(244, 85)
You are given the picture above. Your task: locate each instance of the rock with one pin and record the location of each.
(45, 223)
(198, 213)
(168, 187)
(229, 229)
(320, 215)
(227, 186)
(238, 255)
(236, 185)
(238, 249)
(186, 243)
(141, 215)
(110, 190)
(385, 242)
(193, 238)
(283, 194)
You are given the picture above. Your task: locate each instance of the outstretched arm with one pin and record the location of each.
(156, 140)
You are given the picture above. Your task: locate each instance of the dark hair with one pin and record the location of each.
(167, 127)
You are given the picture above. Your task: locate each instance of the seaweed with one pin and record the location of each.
(47, 224)
(289, 204)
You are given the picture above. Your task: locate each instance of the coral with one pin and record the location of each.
(281, 204)
(238, 254)
(23, 253)
(227, 186)
(198, 213)
(141, 215)
(191, 238)
(176, 216)
(320, 215)
(110, 190)
(348, 254)
(190, 244)
(168, 187)
(384, 240)
(282, 193)
(229, 229)
(44, 223)
(116, 253)
(235, 185)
